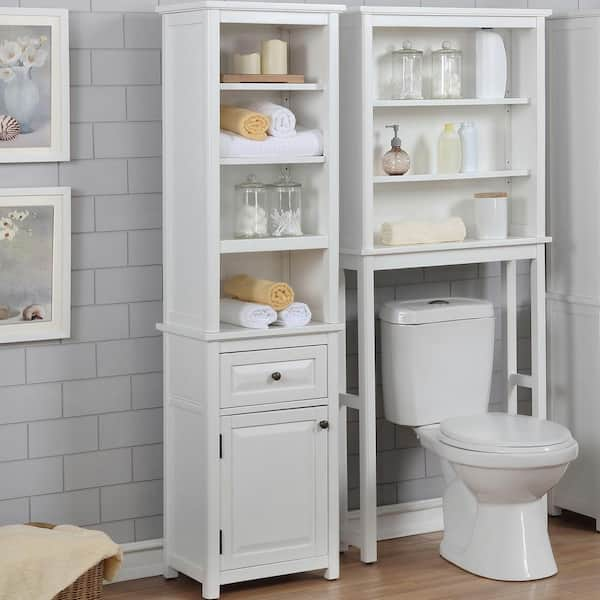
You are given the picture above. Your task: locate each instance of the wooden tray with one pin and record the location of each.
(238, 78)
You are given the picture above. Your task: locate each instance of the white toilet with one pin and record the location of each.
(437, 360)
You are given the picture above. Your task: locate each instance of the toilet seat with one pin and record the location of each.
(500, 441)
(502, 433)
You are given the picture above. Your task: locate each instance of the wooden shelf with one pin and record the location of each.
(304, 242)
(273, 160)
(390, 103)
(451, 176)
(381, 250)
(266, 87)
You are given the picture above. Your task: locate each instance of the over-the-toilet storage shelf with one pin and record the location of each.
(511, 159)
(251, 485)
(511, 129)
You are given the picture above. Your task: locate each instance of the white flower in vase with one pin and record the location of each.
(18, 215)
(10, 53)
(6, 223)
(34, 57)
(6, 74)
(8, 234)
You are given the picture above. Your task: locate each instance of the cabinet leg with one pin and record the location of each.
(210, 591)
(170, 573)
(332, 573)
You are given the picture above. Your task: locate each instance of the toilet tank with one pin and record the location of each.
(437, 357)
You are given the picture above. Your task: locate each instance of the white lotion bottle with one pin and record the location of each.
(468, 142)
(490, 64)
(449, 151)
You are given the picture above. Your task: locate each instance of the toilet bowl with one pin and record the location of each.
(437, 363)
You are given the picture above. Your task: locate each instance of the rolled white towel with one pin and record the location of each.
(423, 232)
(283, 120)
(307, 142)
(247, 314)
(297, 314)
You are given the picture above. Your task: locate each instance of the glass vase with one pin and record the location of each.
(22, 97)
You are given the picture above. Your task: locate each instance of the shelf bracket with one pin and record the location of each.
(521, 380)
(350, 400)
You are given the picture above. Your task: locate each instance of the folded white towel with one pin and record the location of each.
(297, 314)
(307, 142)
(283, 120)
(423, 232)
(247, 314)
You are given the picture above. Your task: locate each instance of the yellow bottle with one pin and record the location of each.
(449, 150)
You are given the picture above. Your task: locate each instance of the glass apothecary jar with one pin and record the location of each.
(285, 218)
(251, 209)
(407, 73)
(446, 72)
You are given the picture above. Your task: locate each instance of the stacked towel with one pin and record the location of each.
(39, 563)
(423, 232)
(262, 291)
(249, 124)
(283, 120)
(247, 314)
(306, 142)
(297, 314)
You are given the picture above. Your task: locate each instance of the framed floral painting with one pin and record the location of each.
(35, 264)
(34, 85)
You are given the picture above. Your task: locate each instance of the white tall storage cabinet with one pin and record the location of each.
(511, 159)
(251, 416)
(574, 222)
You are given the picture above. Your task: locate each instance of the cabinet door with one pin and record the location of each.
(274, 487)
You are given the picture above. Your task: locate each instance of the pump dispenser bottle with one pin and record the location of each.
(395, 161)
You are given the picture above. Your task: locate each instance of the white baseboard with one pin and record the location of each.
(145, 559)
(141, 559)
(398, 520)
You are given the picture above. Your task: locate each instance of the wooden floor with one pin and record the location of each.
(408, 568)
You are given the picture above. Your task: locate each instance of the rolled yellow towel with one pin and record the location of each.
(247, 123)
(423, 232)
(261, 291)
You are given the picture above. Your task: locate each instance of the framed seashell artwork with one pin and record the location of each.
(34, 85)
(35, 262)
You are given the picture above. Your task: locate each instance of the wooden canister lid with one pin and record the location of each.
(491, 195)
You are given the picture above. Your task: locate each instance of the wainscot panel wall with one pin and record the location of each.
(80, 421)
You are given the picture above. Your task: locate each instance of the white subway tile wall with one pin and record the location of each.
(80, 421)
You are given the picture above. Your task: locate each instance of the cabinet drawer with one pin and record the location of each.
(279, 375)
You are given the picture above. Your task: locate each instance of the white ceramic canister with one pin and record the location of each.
(491, 215)
(468, 141)
(490, 64)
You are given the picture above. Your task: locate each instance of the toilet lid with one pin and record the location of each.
(498, 430)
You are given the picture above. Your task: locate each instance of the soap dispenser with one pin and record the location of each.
(395, 161)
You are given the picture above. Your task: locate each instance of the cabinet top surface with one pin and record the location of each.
(251, 6)
(451, 12)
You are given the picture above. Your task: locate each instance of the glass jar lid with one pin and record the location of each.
(446, 49)
(407, 49)
(250, 184)
(284, 183)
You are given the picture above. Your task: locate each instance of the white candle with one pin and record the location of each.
(274, 57)
(246, 64)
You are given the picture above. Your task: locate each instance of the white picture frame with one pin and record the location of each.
(47, 138)
(57, 322)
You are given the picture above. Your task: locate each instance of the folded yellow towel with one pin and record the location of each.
(250, 124)
(39, 563)
(423, 232)
(261, 291)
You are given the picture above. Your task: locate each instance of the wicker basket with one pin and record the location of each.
(88, 586)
